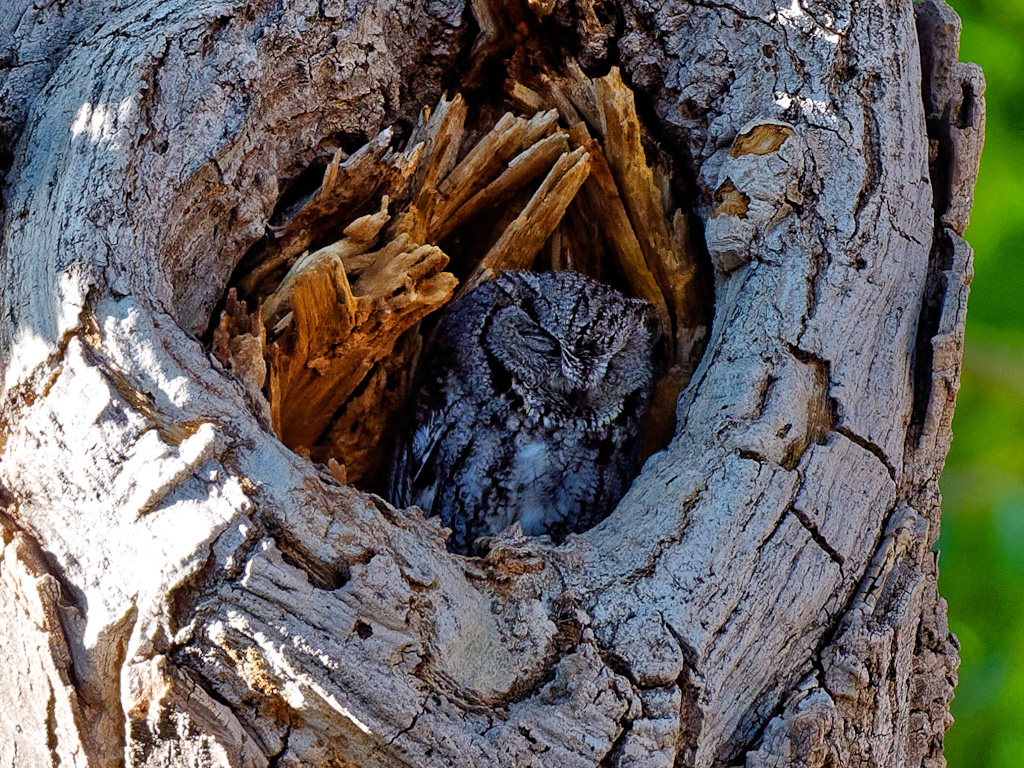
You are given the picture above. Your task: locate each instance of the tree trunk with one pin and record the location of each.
(179, 588)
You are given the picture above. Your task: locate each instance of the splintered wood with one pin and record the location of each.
(327, 323)
(336, 331)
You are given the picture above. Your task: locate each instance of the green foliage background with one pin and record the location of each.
(982, 543)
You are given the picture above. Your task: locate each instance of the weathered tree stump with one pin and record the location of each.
(221, 224)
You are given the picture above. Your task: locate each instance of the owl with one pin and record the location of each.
(527, 408)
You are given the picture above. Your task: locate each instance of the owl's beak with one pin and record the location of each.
(574, 371)
(584, 374)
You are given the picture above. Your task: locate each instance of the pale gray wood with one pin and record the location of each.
(180, 589)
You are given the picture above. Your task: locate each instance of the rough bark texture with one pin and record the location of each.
(178, 588)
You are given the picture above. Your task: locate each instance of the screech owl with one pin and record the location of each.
(527, 407)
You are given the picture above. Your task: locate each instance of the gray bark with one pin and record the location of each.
(180, 589)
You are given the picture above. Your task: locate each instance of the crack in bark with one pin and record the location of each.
(706, 4)
(940, 259)
(51, 725)
(819, 259)
(868, 88)
(151, 99)
(272, 760)
(382, 748)
(871, 573)
(870, 447)
(755, 739)
(181, 599)
(193, 681)
(938, 32)
(827, 416)
(817, 537)
(822, 408)
(688, 505)
(831, 634)
(691, 716)
(625, 724)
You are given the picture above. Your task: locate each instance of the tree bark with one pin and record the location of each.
(178, 588)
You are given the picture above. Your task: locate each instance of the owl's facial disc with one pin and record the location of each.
(572, 361)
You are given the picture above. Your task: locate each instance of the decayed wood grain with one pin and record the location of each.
(337, 332)
(620, 127)
(764, 595)
(531, 163)
(522, 240)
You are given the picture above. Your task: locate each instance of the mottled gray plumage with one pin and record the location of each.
(527, 407)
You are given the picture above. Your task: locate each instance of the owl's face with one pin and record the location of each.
(583, 355)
